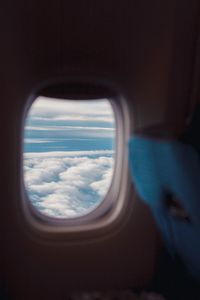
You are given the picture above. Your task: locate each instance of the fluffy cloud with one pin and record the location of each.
(73, 131)
(45, 109)
(78, 117)
(67, 184)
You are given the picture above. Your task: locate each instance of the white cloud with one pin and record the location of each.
(66, 128)
(64, 185)
(73, 131)
(64, 154)
(37, 141)
(68, 184)
(79, 117)
(49, 109)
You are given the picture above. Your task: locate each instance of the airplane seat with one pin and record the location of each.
(165, 172)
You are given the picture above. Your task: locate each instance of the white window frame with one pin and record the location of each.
(111, 209)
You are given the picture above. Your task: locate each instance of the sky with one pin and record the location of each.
(69, 149)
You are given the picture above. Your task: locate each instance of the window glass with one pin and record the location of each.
(69, 149)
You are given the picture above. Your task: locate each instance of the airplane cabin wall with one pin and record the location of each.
(52, 41)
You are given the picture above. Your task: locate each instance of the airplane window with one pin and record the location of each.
(69, 149)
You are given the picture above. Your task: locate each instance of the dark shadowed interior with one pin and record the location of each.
(145, 56)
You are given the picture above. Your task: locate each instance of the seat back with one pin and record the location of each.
(166, 173)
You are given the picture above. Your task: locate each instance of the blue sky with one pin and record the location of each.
(68, 155)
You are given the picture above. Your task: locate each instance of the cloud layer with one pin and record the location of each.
(64, 186)
(46, 109)
(68, 159)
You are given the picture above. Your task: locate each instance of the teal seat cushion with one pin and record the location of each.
(160, 168)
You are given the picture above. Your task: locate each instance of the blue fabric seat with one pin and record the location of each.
(170, 167)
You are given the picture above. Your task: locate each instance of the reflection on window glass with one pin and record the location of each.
(68, 155)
